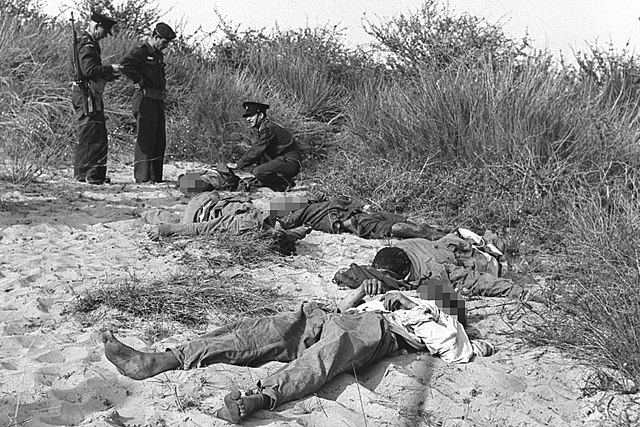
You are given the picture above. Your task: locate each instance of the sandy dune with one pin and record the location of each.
(61, 237)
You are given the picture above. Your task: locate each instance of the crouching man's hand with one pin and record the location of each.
(396, 301)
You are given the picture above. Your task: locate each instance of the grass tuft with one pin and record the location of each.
(192, 299)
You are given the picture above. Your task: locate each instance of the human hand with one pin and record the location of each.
(153, 234)
(373, 287)
(396, 301)
(232, 165)
(116, 68)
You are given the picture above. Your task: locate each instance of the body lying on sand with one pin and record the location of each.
(454, 261)
(469, 263)
(209, 213)
(316, 343)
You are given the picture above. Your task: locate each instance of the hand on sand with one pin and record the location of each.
(153, 234)
(162, 230)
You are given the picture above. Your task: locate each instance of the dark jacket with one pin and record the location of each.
(145, 66)
(89, 58)
(94, 74)
(274, 141)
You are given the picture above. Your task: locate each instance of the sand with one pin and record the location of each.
(59, 238)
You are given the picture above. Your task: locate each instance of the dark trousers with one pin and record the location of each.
(90, 154)
(317, 346)
(277, 174)
(151, 141)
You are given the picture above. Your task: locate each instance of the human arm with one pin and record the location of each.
(397, 301)
(393, 300)
(91, 64)
(351, 299)
(374, 287)
(130, 64)
(253, 154)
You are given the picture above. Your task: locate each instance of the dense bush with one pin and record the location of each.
(436, 37)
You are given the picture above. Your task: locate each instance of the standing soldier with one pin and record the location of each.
(145, 66)
(90, 155)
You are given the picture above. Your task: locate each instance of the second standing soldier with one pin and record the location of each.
(145, 66)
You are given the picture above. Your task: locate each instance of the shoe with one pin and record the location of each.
(483, 348)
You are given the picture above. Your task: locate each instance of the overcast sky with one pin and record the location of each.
(556, 25)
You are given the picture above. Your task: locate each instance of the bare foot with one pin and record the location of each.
(136, 364)
(238, 407)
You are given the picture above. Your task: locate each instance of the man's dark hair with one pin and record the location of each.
(393, 259)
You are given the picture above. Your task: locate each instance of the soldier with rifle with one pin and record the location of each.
(91, 77)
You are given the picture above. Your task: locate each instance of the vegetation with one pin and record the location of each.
(193, 299)
(457, 123)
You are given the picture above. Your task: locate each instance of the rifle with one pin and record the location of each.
(87, 99)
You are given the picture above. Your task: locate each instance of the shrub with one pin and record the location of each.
(35, 114)
(434, 36)
(596, 303)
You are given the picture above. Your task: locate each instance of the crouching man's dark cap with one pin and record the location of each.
(252, 108)
(104, 21)
(165, 31)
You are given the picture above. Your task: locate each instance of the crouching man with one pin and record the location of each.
(316, 344)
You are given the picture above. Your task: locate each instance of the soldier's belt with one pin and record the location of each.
(155, 94)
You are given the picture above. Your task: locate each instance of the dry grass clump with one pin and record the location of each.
(202, 293)
(192, 299)
(35, 113)
(595, 303)
(226, 250)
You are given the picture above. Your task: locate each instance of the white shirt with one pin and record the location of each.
(426, 327)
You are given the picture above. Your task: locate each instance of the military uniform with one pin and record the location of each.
(90, 155)
(276, 155)
(145, 66)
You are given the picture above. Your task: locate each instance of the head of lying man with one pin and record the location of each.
(393, 261)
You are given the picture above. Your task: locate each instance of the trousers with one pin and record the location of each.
(316, 344)
(90, 154)
(151, 141)
(277, 174)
